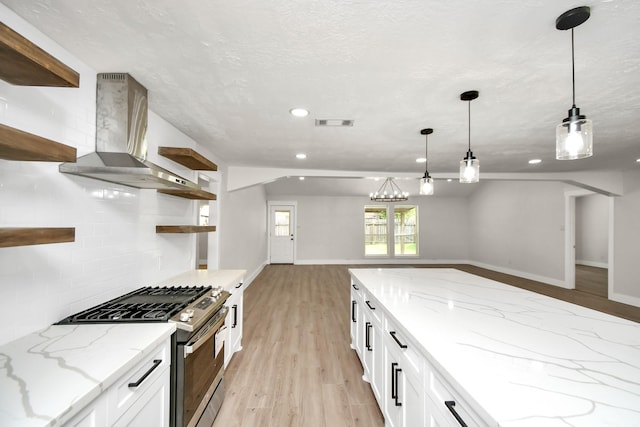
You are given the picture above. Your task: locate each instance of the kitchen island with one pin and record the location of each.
(50, 376)
(504, 356)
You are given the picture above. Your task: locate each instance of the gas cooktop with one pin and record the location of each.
(148, 304)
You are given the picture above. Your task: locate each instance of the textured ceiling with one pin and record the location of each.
(227, 72)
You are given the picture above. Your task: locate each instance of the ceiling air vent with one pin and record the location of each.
(334, 122)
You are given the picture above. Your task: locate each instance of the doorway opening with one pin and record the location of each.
(588, 242)
(592, 244)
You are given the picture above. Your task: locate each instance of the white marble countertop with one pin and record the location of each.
(523, 358)
(227, 279)
(47, 377)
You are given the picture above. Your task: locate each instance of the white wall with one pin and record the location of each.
(243, 230)
(331, 229)
(626, 237)
(592, 230)
(518, 227)
(116, 248)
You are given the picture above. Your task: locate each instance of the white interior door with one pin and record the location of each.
(282, 234)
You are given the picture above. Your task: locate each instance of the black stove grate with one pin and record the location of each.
(148, 304)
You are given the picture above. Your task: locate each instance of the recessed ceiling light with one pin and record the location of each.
(638, 160)
(421, 160)
(449, 180)
(299, 112)
(301, 178)
(534, 161)
(301, 156)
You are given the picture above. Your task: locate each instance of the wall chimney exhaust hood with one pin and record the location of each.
(121, 139)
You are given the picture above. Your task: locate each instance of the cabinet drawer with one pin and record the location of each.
(443, 397)
(357, 290)
(124, 393)
(408, 354)
(373, 309)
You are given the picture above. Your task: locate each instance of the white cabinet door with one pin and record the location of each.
(354, 322)
(357, 321)
(371, 331)
(367, 349)
(234, 323)
(377, 369)
(373, 349)
(411, 399)
(392, 410)
(404, 405)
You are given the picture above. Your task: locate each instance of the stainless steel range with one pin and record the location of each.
(197, 357)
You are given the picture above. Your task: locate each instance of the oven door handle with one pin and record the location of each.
(192, 346)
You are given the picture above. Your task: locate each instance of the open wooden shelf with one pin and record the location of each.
(190, 194)
(19, 145)
(35, 236)
(185, 228)
(24, 64)
(188, 157)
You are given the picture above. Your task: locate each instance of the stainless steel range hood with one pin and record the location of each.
(121, 139)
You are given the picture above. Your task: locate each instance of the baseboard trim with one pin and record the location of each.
(524, 275)
(249, 279)
(625, 299)
(379, 261)
(592, 263)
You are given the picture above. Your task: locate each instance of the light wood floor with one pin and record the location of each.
(592, 280)
(296, 367)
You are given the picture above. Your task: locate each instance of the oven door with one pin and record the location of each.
(200, 372)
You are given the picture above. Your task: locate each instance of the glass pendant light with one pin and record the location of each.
(426, 182)
(469, 166)
(574, 136)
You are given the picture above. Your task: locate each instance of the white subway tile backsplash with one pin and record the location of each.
(116, 247)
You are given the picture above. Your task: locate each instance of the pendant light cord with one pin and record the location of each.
(469, 103)
(426, 157)
(573, 72)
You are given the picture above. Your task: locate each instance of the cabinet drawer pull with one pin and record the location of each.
(355, 287)
(239, 285)
(367, 340)
(398, 370)
(353, 311)
(450, 405)
(393, 335)
(393, 380)
(394, 383)
(156, 363)
(370, 306)
(235, 315)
